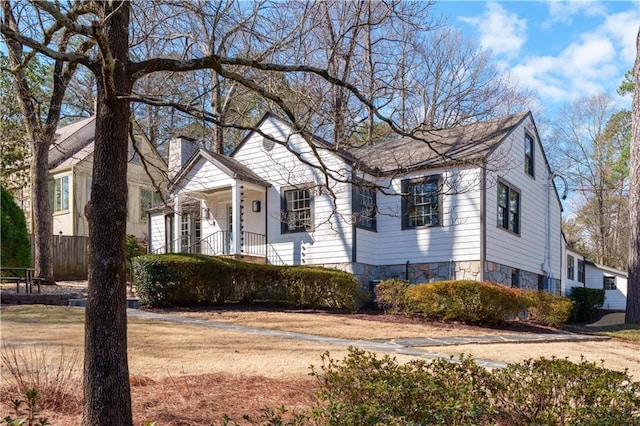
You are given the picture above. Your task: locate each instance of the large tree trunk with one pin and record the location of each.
(106, 371)
(633, 289)
(41, 211)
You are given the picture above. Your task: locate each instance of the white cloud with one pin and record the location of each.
(500, 31)
(622, 28)
(563, 11)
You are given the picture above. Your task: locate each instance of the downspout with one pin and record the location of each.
(266, 225)
(483, 219)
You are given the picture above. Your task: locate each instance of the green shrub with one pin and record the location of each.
(466, 301)
(15, 246)
(586, 302)
(549, 308)
(391, 296)
(365, 390)
(561, 392)
(185, 279)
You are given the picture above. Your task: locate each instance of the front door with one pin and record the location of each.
(190, 232)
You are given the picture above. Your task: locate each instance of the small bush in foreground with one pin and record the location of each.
(365, 390)
(51, 374)
(466, 301)
(586, 302)
(560, 392)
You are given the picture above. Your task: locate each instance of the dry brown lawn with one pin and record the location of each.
(193, 375)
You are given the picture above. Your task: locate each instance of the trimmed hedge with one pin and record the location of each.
(549, 308)
(586, 301)
(466, 301)
(186, 279)
(471, 302)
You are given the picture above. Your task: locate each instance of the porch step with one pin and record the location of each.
(132, 302)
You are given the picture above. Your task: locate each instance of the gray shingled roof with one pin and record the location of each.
(470, 143)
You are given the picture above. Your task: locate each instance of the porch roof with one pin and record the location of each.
(230, 166)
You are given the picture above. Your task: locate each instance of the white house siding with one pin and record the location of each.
(457, 238)
(567, 283)
(330, 241)
(157, 238)
(613, 299)
(540, 210)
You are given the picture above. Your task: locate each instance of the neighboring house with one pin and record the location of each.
(580, 272)
(70, 172)
(613, 281)
(486, 209)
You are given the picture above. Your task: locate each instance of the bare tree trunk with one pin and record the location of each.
(41, 210)
(633, 290)
(106, 371)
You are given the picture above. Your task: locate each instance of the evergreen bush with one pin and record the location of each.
(186, 279)
(15, 246)
(466, 301)
(586, 303)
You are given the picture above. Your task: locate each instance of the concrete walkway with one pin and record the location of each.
(392, 346)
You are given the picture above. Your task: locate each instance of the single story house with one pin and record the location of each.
(471, 202)
(580, 272)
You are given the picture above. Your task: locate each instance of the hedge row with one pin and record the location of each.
(470, 302)
(586, 301)
(186, 279)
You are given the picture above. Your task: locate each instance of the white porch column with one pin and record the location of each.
(177, 224)
(236, 205)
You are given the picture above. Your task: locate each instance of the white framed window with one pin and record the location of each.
(297, 210)
(570, 267)
(609, 283)
(421, 202)
(508, 208)
(529, 155)
(148, 200)
(364, 206)
(59, 194)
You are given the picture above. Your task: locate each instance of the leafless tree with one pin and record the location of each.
(591, 139)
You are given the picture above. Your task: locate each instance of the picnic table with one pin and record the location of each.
(20, 275)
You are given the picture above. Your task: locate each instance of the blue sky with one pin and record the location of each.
(560, 49)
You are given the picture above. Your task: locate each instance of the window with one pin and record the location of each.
(59, 194)
(421, 202)
(609, 283)
(528, 154)
(297, 209)
(364, 206)
(508, 208)
(570, 267)
(89, 183)
(148, 199)
(515, 278)
(581, 271)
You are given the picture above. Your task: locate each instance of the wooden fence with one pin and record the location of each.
(70, 257)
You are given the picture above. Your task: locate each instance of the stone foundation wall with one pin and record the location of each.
(440, 271)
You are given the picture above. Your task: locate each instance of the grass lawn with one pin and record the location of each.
(193, 375)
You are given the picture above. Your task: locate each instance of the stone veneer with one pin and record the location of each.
(439, 271)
